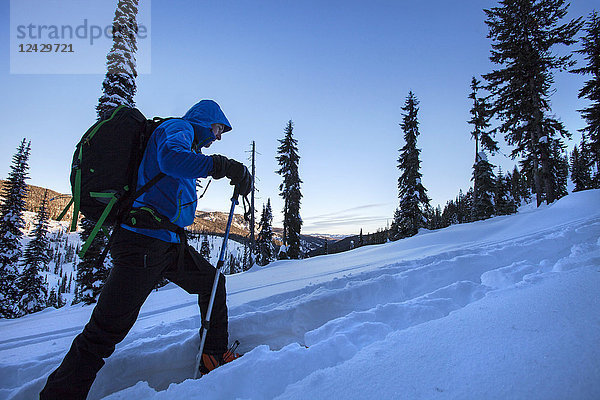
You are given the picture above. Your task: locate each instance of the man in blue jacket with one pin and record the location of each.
(146, 251)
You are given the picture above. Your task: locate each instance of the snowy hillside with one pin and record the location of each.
(61, 272)
(507, 308)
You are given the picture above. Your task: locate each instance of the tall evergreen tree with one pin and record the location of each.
(55, 299)
(483, 171)
(32, 290)
(414, 203)
(264, 243)
(519, 189)
(248, 258)
(11, 222)
(559, 168)
(205, 248)
(524, 32)
(454, 210)
(394, 232)
(435, 222)
(469, 206)
(119, 85)
(463, 206)
(580, 169)
(52, 300)
(485, 182)
(289, 190)
(481, 114)
(449, 214)
(591, 89)
(504, 202)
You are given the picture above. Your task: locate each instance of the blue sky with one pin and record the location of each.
(341, 70)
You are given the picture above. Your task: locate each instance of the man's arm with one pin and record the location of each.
(174, 154)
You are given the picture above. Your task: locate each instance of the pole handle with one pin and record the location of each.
(236, 195)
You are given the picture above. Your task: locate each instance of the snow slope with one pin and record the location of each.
(497, 309)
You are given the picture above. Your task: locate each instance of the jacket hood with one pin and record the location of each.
(202, 115)
(205, 113)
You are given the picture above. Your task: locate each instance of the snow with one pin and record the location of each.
(503, 308)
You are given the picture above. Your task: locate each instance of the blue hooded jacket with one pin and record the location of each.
(172, 150)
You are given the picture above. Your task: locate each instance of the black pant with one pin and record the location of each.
(140, 262)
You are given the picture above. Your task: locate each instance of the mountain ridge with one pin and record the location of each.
(205, 222)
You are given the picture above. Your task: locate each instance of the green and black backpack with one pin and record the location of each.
(105, 167)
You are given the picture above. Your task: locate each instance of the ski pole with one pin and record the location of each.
(206, 323)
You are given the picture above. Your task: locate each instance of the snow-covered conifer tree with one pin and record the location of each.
(11, 222)
(205, 248)
(52, 300)
(524, 34)
(289, 190)
(435, 218)
(519, 189)
(395, 227)
(119, 85)
(468, 206)
(504, 202)
(483, 175)
(248, 259)
(448, 215)
(410, 215)
(264, 243)
(559, 168)
(439, 222)
(463, 207)
(581, 169)
(483, 171)
(32, 290)
(591, 90)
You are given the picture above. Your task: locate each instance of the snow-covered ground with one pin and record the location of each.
(507, 308)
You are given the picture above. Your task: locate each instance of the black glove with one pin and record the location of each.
(234, 170)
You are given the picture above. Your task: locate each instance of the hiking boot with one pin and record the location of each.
(211, 361)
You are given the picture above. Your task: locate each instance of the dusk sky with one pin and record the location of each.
(340, 70)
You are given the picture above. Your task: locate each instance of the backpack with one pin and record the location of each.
(105, 168)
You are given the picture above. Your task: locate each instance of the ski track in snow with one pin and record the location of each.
(335, 318)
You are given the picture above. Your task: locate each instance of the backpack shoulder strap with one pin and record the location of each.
(125, 209)
(156, 121)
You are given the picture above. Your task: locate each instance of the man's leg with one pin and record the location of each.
(138, 265)
(196, 276)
